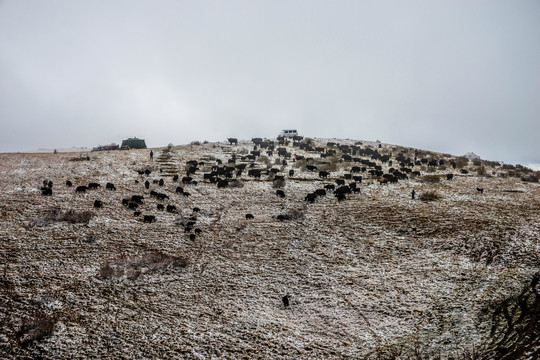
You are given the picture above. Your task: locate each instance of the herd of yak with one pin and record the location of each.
(360, 162)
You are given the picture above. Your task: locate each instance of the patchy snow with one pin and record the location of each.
(376, 272)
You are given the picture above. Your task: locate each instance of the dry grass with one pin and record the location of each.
(376, 276)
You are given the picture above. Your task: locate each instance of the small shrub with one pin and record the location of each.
(429, 196)
(77, 217)
(477, 162)
(36, 328)
(332, 164)
(300, 164)
(278, 183)
(461, 162)
(196, 142)
(236, 183)
(291, 214)
(133, 267)
(265, 160)
(106, 272)
(432, 179)
(79, 158)
(481, 171)
(57, 215)
(530, 178)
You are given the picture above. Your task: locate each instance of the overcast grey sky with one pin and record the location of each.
(449, 76)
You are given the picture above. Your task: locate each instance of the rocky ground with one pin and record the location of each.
(378, 275)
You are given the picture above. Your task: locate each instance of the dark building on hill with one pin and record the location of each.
(133, 143)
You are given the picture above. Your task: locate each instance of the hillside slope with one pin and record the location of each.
(377, 275)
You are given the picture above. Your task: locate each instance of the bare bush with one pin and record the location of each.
(265, 160)
(36, 328)
(481, 171)
(133, 267)
(80, 158)
(430, 196)
(291, 214)
(57, 215)
(236, 183)
(331, 164)
(300, 164)
(531, 178)
(77, 217)
(432, 179)
(461, 162)
(278, 183)
(508, 167)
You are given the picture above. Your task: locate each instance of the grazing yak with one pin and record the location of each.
(93, 186)
(149, 218)
(98, 204)
(46, 191)
(161, 196)
(147, 184)
(160, 207)
(320, 192)
(81, 188)
(280, 193)
(256, 173)
(343, 190)
(480, 190)
(232, 141)
(68, 183)
(171, 209)
(324, 174)
(250, 217)
(137, 199)
(222, 184)
(110, 186)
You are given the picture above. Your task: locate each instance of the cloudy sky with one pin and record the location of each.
(450, 76)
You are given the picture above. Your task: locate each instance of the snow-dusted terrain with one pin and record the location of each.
(378, 275)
